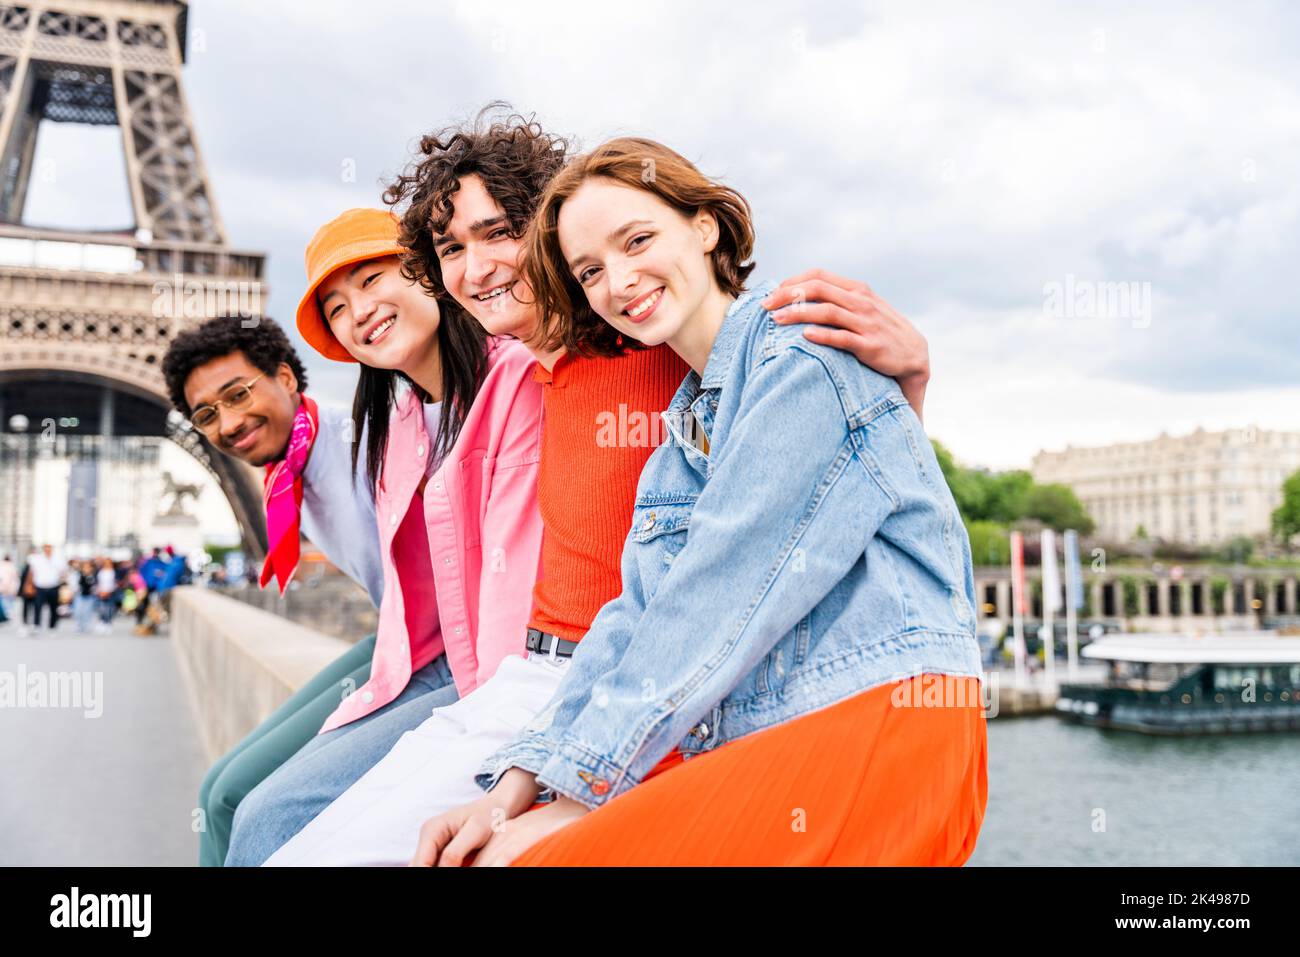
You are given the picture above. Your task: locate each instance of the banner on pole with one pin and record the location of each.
(1018, 573)
(1073, 571)
(1051, 574)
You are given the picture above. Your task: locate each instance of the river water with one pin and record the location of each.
(1068, 795)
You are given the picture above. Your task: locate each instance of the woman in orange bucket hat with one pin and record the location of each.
(449, 421)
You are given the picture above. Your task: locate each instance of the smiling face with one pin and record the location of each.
(380, 318)
(479, 260)
(643, 265)
(259, 431)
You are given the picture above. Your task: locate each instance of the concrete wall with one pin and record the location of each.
(240, 663)
(331, 604)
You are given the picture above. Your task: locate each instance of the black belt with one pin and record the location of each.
(542, 642)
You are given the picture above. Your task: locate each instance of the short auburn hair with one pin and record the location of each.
(564, 316)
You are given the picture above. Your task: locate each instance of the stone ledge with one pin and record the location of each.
(240, 663)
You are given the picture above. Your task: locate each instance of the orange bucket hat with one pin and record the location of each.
(351, 237)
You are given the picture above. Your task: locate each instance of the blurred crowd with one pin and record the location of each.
(89, 591)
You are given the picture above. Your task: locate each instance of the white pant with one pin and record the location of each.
(430, 770)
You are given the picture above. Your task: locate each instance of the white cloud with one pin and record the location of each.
(957, 157)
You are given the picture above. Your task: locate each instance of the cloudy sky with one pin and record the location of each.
(962, 160)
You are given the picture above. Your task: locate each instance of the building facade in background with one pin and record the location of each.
(1205, 488)
(85, 492)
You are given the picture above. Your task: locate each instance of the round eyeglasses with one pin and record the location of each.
(206, 417)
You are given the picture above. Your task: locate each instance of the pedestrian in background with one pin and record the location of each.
(8, 588)
(48, 573)
(27, 591)
(83, 597)
(106, 593)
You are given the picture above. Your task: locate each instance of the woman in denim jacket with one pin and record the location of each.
(790, 674)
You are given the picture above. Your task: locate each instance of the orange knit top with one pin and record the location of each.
(600, 422)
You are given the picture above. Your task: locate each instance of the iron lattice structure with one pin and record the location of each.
(101, 307)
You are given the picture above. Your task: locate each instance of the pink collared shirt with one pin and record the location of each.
(472, 596)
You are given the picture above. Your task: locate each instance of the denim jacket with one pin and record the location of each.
(812, 553)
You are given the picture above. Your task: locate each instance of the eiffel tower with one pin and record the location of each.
(86, 316)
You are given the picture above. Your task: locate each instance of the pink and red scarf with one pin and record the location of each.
(282, 497)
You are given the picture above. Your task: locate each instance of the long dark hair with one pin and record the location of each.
(462, 348)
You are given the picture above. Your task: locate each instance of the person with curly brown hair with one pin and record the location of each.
(467, 201)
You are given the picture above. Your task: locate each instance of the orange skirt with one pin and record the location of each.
(896, 775)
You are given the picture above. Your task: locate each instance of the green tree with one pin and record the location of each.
(1004, 498)
(1237, 550)
(946, 463)
(989, 544)
(1219, 594)
(1056, 506)
(1129, 585)
(1286, 517)
(1008, 493)
(965, 484)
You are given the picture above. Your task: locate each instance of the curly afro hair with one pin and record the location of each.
(261, 341)
(513, 156)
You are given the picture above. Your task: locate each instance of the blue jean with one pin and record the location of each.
(83, 611)
(328, 765)
(273, 742)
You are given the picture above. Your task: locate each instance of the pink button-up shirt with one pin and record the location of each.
(472, 596)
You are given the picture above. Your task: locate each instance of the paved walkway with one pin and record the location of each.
(118, 788)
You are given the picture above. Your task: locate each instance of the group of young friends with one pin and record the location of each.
(752, 642)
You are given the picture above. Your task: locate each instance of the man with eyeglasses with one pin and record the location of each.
(241, 385)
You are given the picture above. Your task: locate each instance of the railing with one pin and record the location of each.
(124, 254)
